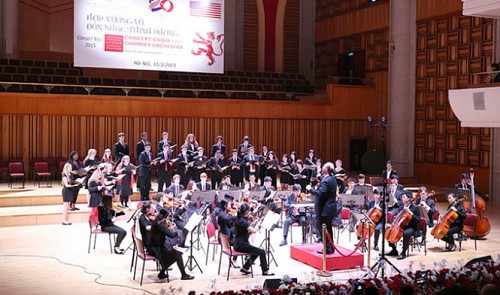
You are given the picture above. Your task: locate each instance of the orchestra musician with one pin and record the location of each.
(243, 148)
(76, 172)
(145, 162)
(412, 227)
(225, 184)
(191, 143)
(216, 165)
(377, 203)
(464, 182)
(389, 172)
(293, 215)
(177, 187)
(106, 215)
(285, 168)
(458, 224)
(192, 206)
(251, 163)
(395, 201)
(235, 169)
(325, 203)
(340, 175)
(177, 214)
(218, 147)
(106, 158)
(165, 167)
(301, 175)
(252, 184)
(154, 232)
(395, 180)
(126, 183)
(427, 204)
(271, 166)
(67, 193)
(269, 189)
(200, 164)
(361, 180)
(225, 222)
(243, 229)
(120, 147)
(183, 167)
(164, 140)
(263, 167)
(350, 189)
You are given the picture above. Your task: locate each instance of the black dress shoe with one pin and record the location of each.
(187, 277)
(119, 251)
(401, 257)
(327, 252)
(66, 223)
(267, 274)
(162, 275)
(392, 253)
(247, 272)
(376, 248)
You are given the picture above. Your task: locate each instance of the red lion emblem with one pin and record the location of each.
(210, 41)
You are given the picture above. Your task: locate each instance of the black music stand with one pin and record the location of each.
(382, 260)
(268, 224)
(193, 222)
(206, 198)
(134, 218)
(282, 196)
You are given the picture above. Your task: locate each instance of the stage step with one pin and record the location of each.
(47, 214)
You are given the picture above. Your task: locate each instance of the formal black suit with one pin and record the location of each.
(120, 150)
(198, 166)
(235, 173)
(243, 150)
(226, 225)
(182, 169)
(326, 205)
(216, 175)
(379, 224)
(176, 189)
(457, 225)
(391, 175)
(253, 165)
(139, 148)
(145, 174)
(164, 171)
(242, 244)
(432, 210)
(302, 181)
(292, 217)
(410, 230)
(161, 143)
(216, 147)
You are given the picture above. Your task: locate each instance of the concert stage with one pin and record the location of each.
(307, 253)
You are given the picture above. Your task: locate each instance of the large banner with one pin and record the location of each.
(164, 35)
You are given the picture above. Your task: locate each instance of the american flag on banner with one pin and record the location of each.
(205, 9)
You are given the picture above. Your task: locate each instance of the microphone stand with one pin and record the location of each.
(379, 266)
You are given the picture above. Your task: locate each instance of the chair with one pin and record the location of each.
(41, 171)
(142, 254)
(228, 250)
(211, 241)
(470, 221)
(414, 243)
(16, 171)
(346, 219)
(96, 230)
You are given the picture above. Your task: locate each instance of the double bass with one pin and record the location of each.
(477, 205)
(395, 232)
(374, 214)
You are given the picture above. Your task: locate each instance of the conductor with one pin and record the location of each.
(326, 203)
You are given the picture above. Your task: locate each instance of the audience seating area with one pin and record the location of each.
(36, 76)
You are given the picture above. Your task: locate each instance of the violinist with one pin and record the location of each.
(235, 169)
(427, 204)
(377, 203)
(106, 215)
(177, 214)
(293, 215)
(200, 164)
(271, 166)
(193, 205)
(269, 189)
(126, 183)
(154, 232)
(164, 168)
(145, 162)
(216, 164)
(243, 229)
(76, 172)
(412, 227)
(225, 221)
(456, 226)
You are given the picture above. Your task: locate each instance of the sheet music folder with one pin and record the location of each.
(348, 199)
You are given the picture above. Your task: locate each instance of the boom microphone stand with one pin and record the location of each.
(379, 266)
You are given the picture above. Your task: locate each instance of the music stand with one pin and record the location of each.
(235, 194)
(132, 245)
(192, 223)
(204, 198)
(382, 260)
(268, 224)
(367, 190)
(363, 218)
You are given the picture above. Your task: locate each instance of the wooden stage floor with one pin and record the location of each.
(53, 259)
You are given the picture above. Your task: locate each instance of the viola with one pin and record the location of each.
(442, 228)
(374, 214)
(395, 232)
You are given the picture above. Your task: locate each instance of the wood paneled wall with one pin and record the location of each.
(432, 8)
(251, 36)
(291, 37)
(449, 50)
(330, 8)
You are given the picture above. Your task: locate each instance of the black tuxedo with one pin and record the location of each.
(326, 205)
(411, 230)
(120, 150)
(216, 148)
(164, 171)
(236, 174)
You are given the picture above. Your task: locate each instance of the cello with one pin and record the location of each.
(442, 228)
(374, 214)
(477, 205)
(395, 232)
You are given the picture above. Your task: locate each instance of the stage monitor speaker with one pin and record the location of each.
(479, 260)
(272, 284)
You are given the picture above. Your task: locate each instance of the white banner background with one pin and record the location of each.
(159, 35)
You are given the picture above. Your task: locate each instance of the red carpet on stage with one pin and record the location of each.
(308, 254)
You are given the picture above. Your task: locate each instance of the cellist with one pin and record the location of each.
(376, 202)
(456, 226)
(411, 229)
